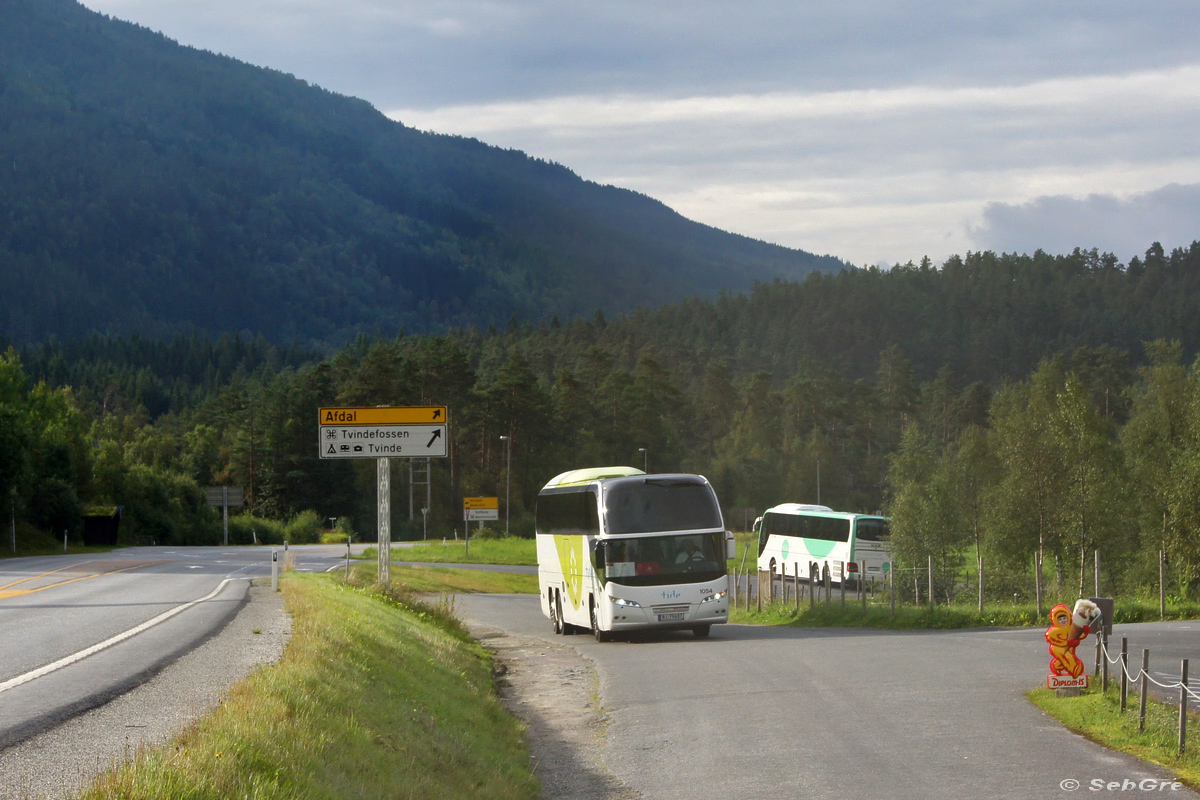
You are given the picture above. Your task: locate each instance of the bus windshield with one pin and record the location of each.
(653, 560)
(651, 505)
(871, 530)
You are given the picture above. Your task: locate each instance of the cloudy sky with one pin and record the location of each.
(877, 132)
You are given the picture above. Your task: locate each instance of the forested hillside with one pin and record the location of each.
(151, 188)
(1079, 429)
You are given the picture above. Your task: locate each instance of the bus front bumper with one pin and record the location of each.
(625, 618)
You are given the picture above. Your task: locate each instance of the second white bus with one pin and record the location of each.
(850, 546)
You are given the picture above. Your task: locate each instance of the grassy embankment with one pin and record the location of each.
(376, 696)
(512, 550)
(34, 542)
(1098, 716)
(447, 580)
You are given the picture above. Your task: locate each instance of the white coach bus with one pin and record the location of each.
(620, 550)
(792, 534)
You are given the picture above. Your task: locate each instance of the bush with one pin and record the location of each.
(247, 529)
(166, 507)
(304, 528)
(486, 533)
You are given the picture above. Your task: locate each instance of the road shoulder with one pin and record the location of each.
(67, 757)
(554, 691)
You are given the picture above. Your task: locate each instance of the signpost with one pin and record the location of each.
(381, 433)
(223, 497)
(478, 508)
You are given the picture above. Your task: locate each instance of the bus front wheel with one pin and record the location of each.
(601, 636)
(702, 631)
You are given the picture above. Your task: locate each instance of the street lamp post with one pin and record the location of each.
(818, 481)
(645, 459)
(507, 477)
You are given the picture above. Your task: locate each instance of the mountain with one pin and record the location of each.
(153, 188)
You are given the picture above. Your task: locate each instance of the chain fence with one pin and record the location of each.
(1144, 680)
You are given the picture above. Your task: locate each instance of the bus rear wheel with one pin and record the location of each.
(702, 631)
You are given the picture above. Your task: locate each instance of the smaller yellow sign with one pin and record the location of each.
(384, 415)
(481, 502)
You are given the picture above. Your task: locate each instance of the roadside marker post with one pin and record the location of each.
(1183, 704)
(274, 570)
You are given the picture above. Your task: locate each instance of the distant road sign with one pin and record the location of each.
(481, 502)
(384, 415)
(481, 508)
(231, 496)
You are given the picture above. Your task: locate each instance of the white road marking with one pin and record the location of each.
(96, 648)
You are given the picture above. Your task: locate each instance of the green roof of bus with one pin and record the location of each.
(578, 476)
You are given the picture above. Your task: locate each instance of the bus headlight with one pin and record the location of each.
(617, 601)
(712, 598)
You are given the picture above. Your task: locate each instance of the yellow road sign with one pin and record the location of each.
(481, 502)
(385, 415)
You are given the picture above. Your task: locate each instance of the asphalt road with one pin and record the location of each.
(767, 712)
(1168, 642)
(77, 631)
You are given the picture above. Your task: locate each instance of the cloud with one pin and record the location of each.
(383, 50)
(1122, 226)
(870, 175)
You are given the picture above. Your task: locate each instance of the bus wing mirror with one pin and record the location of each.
(730, 545)
(598, 555)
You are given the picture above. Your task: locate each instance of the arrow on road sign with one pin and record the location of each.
(436, 435)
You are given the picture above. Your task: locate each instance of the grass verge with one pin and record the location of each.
(377, 696)
(1097, 715)
(447, 580)
(512, 550)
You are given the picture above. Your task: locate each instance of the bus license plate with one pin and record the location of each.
(670, 617)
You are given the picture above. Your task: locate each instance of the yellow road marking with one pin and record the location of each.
(19, 592)
(44, 574)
